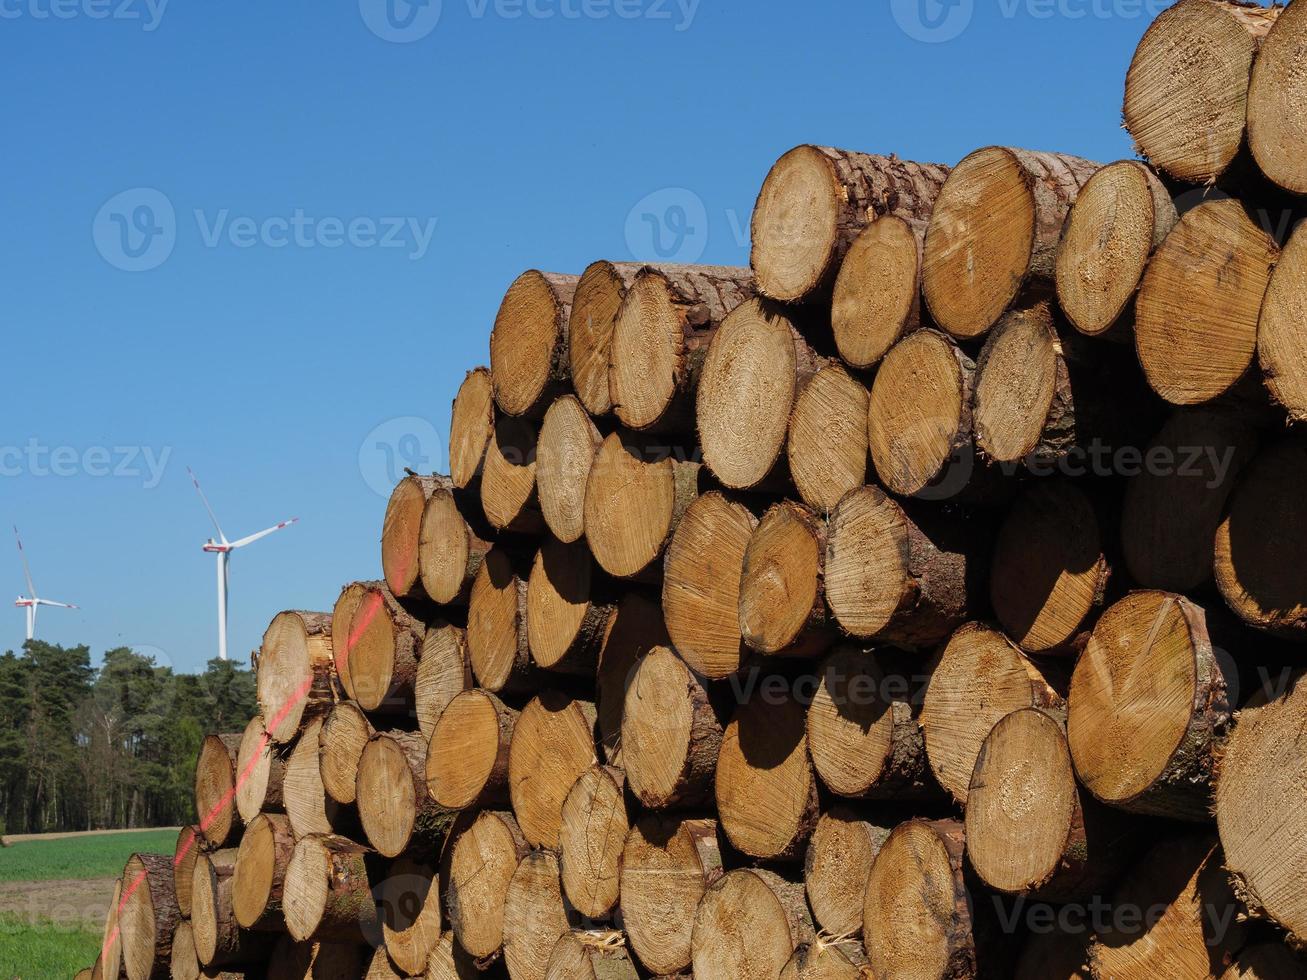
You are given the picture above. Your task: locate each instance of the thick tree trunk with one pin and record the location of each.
(837, 867)
(497, 643)
(599, 295)
(528, 345)
(749, 924)
(396, 810)
(295, 676)
(535, 916)
(508, 481)
(148, 916)
(327, 895)
(260, 772)
(467, 761)
(877, 298)
(401, 533)
(260, 873)
(564, 452)
(444, 672)
(215, 789)
(553, 743)
(783, 608)
(472, 419)
(452, 544)
(590, 841)
(567, 611)
(484, 859)
(826, 449)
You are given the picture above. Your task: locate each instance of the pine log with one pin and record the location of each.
(215, 789)
(1266, 961)
(765, 786)
(671, 734)
(837, 868)
(109, 961)
(634, 499)
(1049, 571)
(826, 449)
(814, 203)
(508, 481)
(1149, 709)
(147, 916)
(1174, 504)
(668, 864)
(308, 807)
(864, 735)
(327, 897)
(396, 810)
(564, 451)
(183, 963)
(553, 743)
(1186, 93)
(260, 772)
(979, 677)
(748, 926)
(663, 328)
(497, 643)
(450, 961)
(401, 533)
(219, 940)
(756, 366)
(190, 844)
(599, 295)
(635, 629)
(293, 960)
(824, 960)
(381, 967)
(877, 297)
(1276, 125)
(1122, 216)
(590, 956)
(260, 873)
(471, 421)
(467, 760)
(783, 608)
(1200, 301)
(485, 857)
(535, 916)
(341, 739)
(444, 672)
(295, 677)
(1261, 540)
(382, 651)
(566, 611)
(346, 634)
(701, 584)
(1055, 954)
(900, 573)
(528, 344)
(1281, 339)
(409, 901)
(994, 234)
(452, 544)
(591, 837)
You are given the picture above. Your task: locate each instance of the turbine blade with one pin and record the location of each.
(61, 605)
(262, 534)
(212, 516)
(27, 572)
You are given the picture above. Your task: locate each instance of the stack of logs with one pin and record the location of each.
(908, 605)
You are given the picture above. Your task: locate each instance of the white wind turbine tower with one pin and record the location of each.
(31, 602)
(223, 549)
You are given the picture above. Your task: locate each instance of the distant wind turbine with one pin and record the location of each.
(31, 602)
(223, 549)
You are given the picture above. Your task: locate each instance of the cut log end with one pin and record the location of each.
(401, 532)
(327, 895)
(827, 443)
(590, 842)
(599, 296)
(190, 844)
(528, 341)
(470, 425)
(256, 783)
(877, 292)
(796, 224)
(565, 622)
(260, 872)
(295, 671)
(508, 483)
(468, 750)
(1016, 382)
(450, 550)
(409, 900)
(148, 916)
(837, 867)
(553, 743)
(444, 671)
(596, 955)
(484, 859)
(564, 453)
(534, 916)
(781, 601)
(307, 805)
(1281, 333)
(388, 796)
(215, 788)
(344, 734)
(1275, 98)
(635, 628)
(823, 961)
(748, 926)
(496, 623)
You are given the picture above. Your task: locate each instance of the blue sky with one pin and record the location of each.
(351, 189)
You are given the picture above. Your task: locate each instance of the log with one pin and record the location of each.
(635, 629)
(660, 338)
(497, 643)
(444, 672)
(671, 735)
(748, 925)
(508, 481)
(215, 789)
(823, 961)
(826, 448)
(1055, 954)
(1200, 301)
(877, 296)
(599, 295)
(260, 772)
(1191, 927)
(566, 612)
(564, 451)
(183, 963)
(668, 864)
(756, 366)
(553, 743)
(383, 648)
(1172, 508)
(1121, 217)
(295, 677)
(190, 843)
(994, 234)
(1280, 339)
(308, 807)
(396, 810)
(528, 344)
(864, 734)
(450, 961)
(453, 541)
(381, 967)
(409, 900)
(345, 635)
(147, 916)
(534, 916)
(485, 857)
(260, 873)
(327, 894)
(1257, 812)
(590, 956)
(765, 787)
(634, 499)
(1149, 709)
(1186, 93)
(341, 740)
(1275, 94)
(899, 573)
(109, 961)
(219, 940)
(837, 868)
(783, 608)
(1049, 571)
(814, 203)
(591, 837)
(467, 760)
(976, 679)
(1260, 541)
(471, 421)
(401, 533)
(701, 584)
(1266, 961)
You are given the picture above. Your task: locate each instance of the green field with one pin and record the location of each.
(43, 950)
(98, 856)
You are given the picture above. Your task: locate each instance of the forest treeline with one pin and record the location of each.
(85, 748)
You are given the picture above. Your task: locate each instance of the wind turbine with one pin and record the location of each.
(31, 602)
(223, 549)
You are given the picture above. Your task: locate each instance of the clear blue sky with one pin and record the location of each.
(529, 139)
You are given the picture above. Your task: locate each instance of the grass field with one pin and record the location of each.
(44, 950)
(93, 856)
